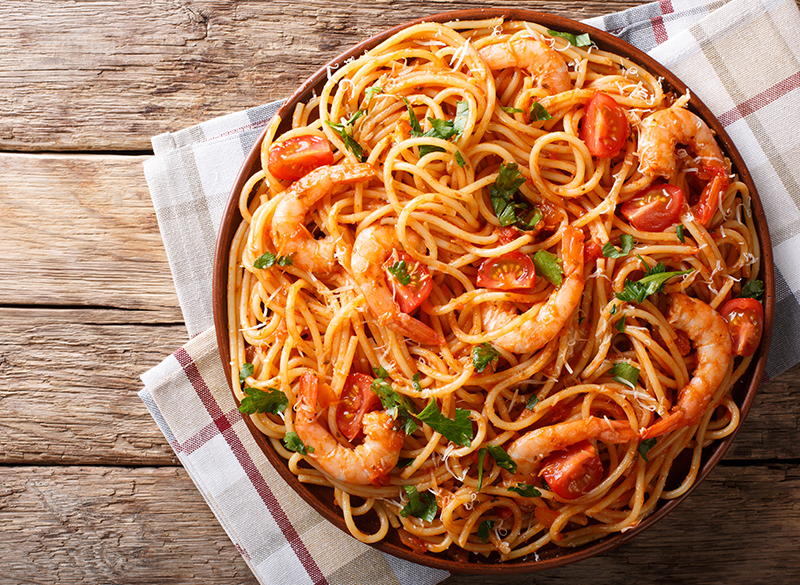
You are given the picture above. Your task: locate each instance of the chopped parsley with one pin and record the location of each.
(483, 355)
(508, 209)
(502, 458)
(458, 430)
(621, 325)
(679, 233)
(652, 282)
(246, 371)
(442, 129)
(293, 443)
(645, 446)
(371, 92)
(400, 272)
(532, 402)
(271, 401)
(345, 132)
(483, 530)
(754, 289)
(625, 374)
(268, 260)
(626, 243)
(422, 506)
(549, 266)
(576, 41)
(539, 113)
(415, 382)
(511, 110)
(481, 457)
(525, 490)
(460, 159)
(395, 404)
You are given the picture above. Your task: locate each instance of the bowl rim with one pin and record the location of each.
(753, 377)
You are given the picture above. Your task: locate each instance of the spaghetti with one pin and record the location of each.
(478, 285)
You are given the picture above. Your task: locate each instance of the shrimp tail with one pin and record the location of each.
(416, 330)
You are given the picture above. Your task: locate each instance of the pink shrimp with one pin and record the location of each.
(288, 230)
(547, 67)
(709, 332)
(368, 463)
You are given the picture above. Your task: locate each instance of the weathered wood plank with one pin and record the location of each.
(87, 76)
(81, 230)
(68, 384)
(150, 525)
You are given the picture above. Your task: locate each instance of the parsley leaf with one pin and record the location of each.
(652, 282)
(416, 129)
(752, 290)
(525, 490)
(625, 240)
(345, 132)
(549, 266)
(460, 159)
(415, 382)
(481, 457)
(400, 272)
(483, 530)
(443, 129)
(268, 260)
(293, 443)
(395, 404)
(645, 446)
(532, 402)
(510, 110)
(502, 458)
(458, 430)
(625, 374)
(422, 506)
(620, 326)
(483, 355)
(539, 113)
(246, 371)
(272, 401)
(679, 233)
(576, 41)
(502, 192)
(371, 92)
(404, 462)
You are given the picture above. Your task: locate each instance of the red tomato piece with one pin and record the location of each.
(507, 272)
(357, 399)
(745, 319)
(297, 156)
(592, 251)
(655, 208)
(418, 283)
(574, 471)
(605, 127)
(709, 199)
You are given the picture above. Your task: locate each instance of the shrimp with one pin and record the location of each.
(288, 230)
(547, 67)
(709, 332)
(529, 450)
(535, 333)
(661, 132)
(368, 463)
(371, 249)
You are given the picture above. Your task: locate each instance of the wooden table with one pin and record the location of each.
(89, 489)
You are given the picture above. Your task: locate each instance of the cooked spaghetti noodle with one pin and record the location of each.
(388, 332)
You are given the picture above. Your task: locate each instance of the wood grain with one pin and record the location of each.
(121, 72)
(81, 230)
(113, 525)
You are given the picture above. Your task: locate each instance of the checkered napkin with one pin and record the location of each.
(743, 60)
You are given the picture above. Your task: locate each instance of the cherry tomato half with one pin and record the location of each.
(574, 471)
(710, 198)
(356, 400)
(297, 156)
(655, 208)
(418, 286)
(745, 319)
(605, 127)
(507, 272)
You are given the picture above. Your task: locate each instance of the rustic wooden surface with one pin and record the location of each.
(89, 489)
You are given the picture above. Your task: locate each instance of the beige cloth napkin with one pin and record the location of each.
(743, 60)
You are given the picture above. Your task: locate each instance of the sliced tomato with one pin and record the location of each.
(709, 199)
(605, 127)
(507, 234)
(411, 281)
(574, 471)
(655, 208)
(357, 399)
(592, 251)
(297, 156)
(507, 272)
(745, 319)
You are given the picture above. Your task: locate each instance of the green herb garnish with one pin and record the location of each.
(268, 260)
(625, 374)
(481, 457)
(621, 324)
(271, 401)
(246, 371)
(576, 41)
(754, 289)
(460, 159)
(483, 355)
(293, 443)
(532, 402)
(395, 404)
(679, 233)
(422, 506)
(652, 282)
(345, 132)
(502, 458)
(539, 113)
(415, 382)
(511, 110)
(483, 530)
(400, 272)
(645, 446)
(625, 240)
(458, 430)
(549, 266)
(525, 490)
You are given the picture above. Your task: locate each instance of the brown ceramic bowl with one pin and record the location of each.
(551, 556)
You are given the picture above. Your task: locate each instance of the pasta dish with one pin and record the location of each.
(489, 284)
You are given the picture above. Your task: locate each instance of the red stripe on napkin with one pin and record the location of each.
(764, 98)
(659, 30)
(259, 483)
